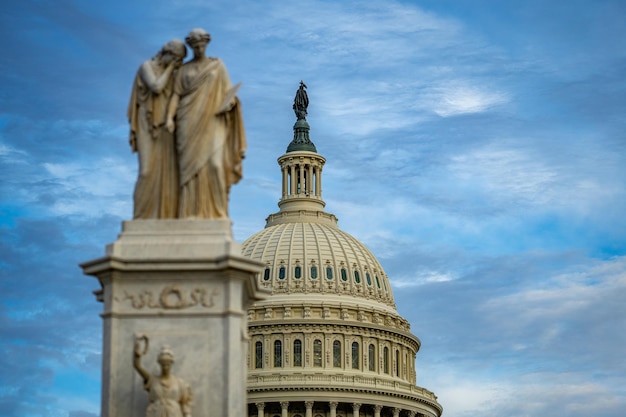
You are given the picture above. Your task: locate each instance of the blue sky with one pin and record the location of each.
(478, 148)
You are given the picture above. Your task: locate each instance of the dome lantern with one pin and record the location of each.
(301, 165)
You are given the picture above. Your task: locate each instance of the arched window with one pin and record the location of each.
(377, 281)
(266, 274)
(297, 352)
(357, 277)
(371, 357)
(281, 273)
(329, 273)
(297, 272)
(337, 354)
(344, 275)
(317, 352)
(355, 355)
(278, 354)
(368, 278)
(386, 360)
(258, 357)
(397, 363)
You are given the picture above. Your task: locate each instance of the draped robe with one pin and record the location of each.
(168, 398)
(210, 145)
(156, 190)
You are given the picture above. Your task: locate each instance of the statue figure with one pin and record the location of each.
(301, 102)
(156, 190)
(169, 396)
(205, 115)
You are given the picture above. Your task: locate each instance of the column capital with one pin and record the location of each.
(333, 405)
(308, 404)
(378, 408)
(260, 406)
(356, 406)
(284, 405)
(411, 413)
(396, 412)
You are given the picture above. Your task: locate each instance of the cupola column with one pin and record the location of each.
(396, 412)
(285, 181)
(301, 181)
(355, 409)
(292, 170)
(377, 409)
(318, 181)
(284, 407)
(309, 408)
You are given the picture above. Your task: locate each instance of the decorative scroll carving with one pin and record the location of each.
(172, 297)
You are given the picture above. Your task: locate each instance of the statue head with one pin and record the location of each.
(176, 48)
(166, 356)
(197, 36)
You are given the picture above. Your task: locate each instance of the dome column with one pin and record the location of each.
(309, 408)
(333, 408)
(284, 407)
(355, 409)
(260, 407)
(396, 412)
(377, 409)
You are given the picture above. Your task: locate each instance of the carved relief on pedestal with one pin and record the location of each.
(169, 395)
(171, 297)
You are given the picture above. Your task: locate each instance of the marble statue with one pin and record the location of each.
(169, 395)
(301, 102)
(156, 190)
(204, 113)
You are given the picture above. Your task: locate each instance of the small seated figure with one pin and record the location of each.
(170, 396)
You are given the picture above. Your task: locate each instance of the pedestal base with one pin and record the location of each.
(185, 284)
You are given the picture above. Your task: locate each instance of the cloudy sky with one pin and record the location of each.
(478, 148)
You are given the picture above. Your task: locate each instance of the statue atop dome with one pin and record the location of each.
(301, 102)
(301, 140)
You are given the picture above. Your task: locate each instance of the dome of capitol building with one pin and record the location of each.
(328, 341)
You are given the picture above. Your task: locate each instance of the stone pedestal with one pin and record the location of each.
(185, 284)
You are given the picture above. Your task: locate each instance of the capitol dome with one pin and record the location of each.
(328, 341)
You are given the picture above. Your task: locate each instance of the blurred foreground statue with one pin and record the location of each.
(205, 115)
(156, 191)
(187, 127)
(169, 396)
